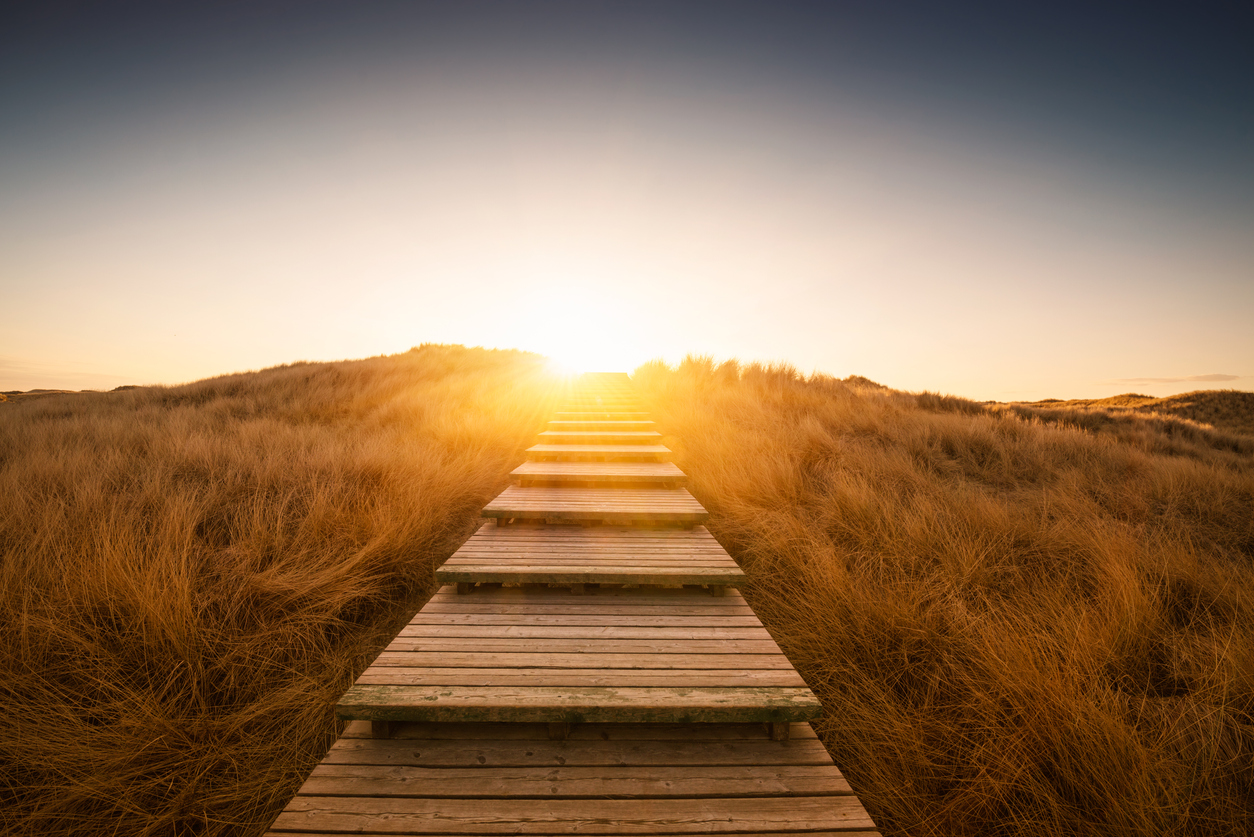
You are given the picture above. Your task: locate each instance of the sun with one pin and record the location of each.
(584, 332)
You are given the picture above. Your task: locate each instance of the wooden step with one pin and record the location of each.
(580, 555)
(604, 779)
(598, 437)
(601, 392)
(664, 474)
(479, 670)
(608, 407)
(601, 424)
(600, 416)
(672, 505)
(625, 453)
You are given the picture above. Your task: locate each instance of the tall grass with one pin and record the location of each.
(192, 575)
(1018, 622)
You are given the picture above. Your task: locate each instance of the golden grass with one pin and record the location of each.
(1018, 621)
(192, 575)
(1021, 619)
(1226, 410)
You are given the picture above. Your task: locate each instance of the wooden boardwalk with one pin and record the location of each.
(574, 675)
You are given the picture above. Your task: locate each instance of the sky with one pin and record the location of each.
(999, 201)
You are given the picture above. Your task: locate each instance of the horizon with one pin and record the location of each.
(1000, 204)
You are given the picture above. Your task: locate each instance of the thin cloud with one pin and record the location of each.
(1209, 379)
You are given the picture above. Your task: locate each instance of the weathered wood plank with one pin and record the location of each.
(602, 424)
(610, 541)
(582, 677)
(553, 631)
(587, 575)
(490, 752)
(606, 555)
(610, 600)
(600, 415)
(577, 659)
(598, 437)
(857, 832)
(594, 734)
(582, 705)
(616, 504)
(574, 782)
(581, 645)
(559, 619)
(628, 453)
(573, 614)
(732, 815)
(601, 472)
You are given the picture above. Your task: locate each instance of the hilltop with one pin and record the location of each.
(1222, 409)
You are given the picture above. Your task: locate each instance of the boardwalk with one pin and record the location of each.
(588, 667)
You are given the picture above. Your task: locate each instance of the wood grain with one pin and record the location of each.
(613, 504)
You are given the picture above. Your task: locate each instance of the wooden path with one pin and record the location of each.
(588, 667)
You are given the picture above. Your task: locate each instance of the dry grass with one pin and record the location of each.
(1019, 621)
(1225, 410)
(192, 575)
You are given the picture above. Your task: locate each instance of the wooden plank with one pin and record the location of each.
(577, 705)
(598, 437)
(658, 782)
(602, 424)
(628, 610)
(559, 619)
(549, 574)
(626, 453)
(578, 659)
(609, 600)
(608, 406)
(583, 677)
(585, 748)
(612, 504)
(581, 645)
(576, 540)
(594, 734)
(561, 631)
(597, 472)
(607, 555)
(725, 815)
(599, 415)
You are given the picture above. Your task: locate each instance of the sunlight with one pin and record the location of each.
(584, 330)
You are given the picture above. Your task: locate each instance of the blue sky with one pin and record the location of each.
(998, 203)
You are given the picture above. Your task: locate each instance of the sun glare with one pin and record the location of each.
(586, 333)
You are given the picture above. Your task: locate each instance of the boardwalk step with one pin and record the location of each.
(591, 437)
(600, 415)
(624, 453)
(616, 473)
(457, 779)
(601, 424)
(579, 555)
(672, 505)
(571, 704)
(542, 655)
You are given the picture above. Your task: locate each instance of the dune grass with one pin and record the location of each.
(1019, 621)
(1228, 411)
(192, 575)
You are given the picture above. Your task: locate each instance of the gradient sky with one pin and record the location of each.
(994, 202)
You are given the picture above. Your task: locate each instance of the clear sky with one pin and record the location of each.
(978, 199)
